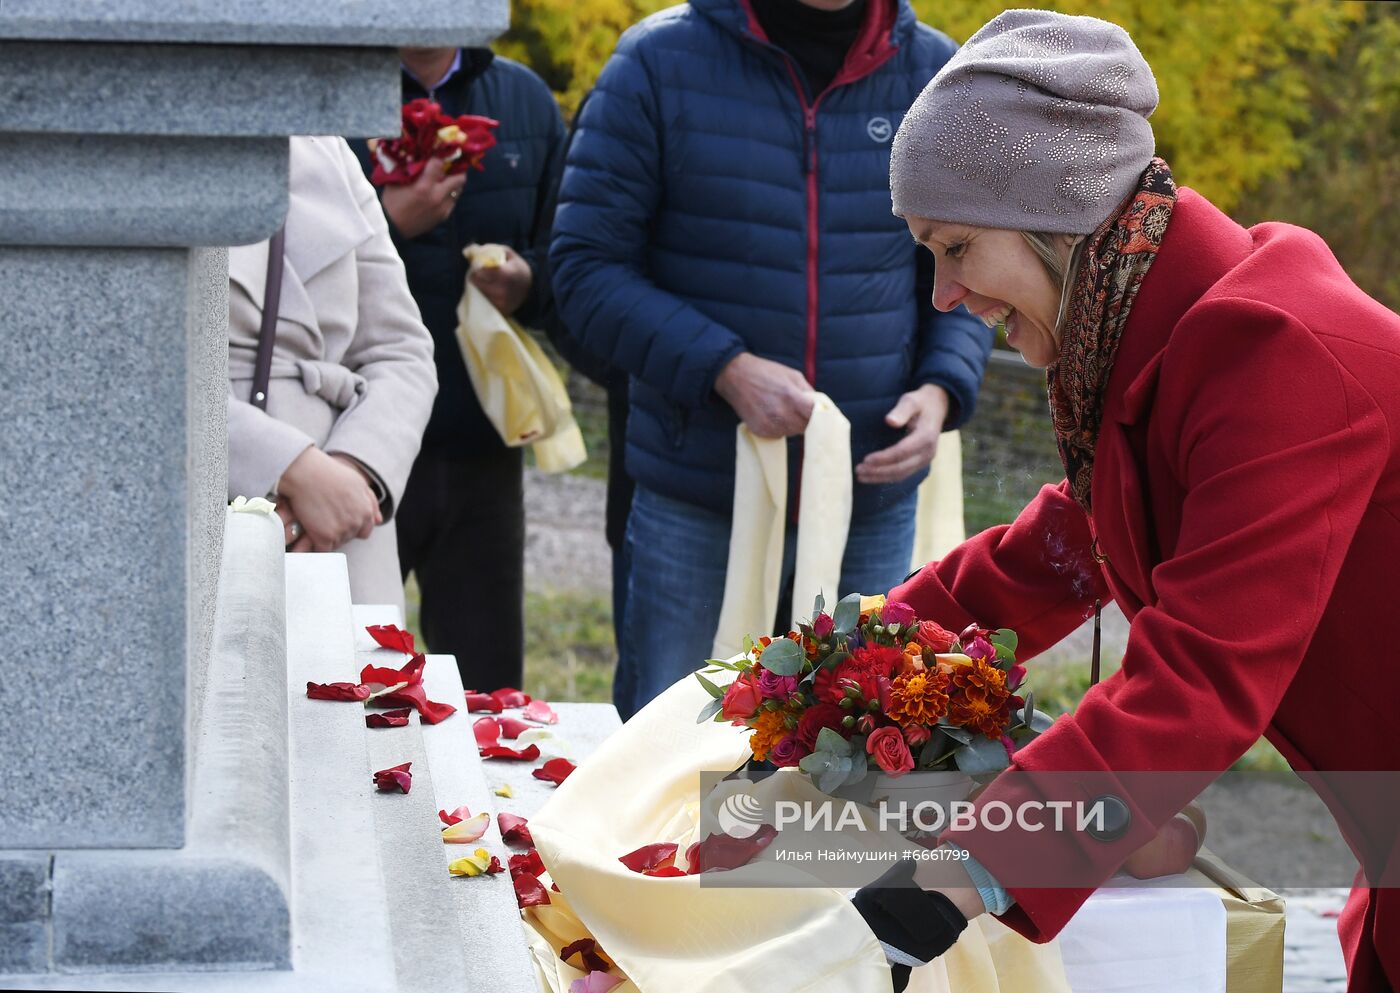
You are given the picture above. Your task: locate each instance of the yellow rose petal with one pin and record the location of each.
(472, 865)
(504, 790)
(869, 603)
(467, 831)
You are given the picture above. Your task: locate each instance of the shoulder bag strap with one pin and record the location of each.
(272, 303)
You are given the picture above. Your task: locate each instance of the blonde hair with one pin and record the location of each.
(1061, 273)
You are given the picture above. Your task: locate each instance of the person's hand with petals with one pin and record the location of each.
(417, 207)
(333, 501)
(773, 399)
(505, 285)
(921, 413)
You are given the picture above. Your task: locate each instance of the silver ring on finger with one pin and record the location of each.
(455, 194)
(294, 529)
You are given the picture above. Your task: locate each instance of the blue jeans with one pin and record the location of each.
(679, 556)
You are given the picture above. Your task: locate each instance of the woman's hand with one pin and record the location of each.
(1174, 848)
(333, 501)
(505, 285)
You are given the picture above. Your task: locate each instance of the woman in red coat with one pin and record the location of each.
(1226, 403)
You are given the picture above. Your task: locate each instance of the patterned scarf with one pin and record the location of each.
(1114, 261)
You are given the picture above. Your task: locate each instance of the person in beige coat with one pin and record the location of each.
(352, 379)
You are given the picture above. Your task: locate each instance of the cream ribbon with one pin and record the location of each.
(517, 385)
(760, 525)
(939, 524)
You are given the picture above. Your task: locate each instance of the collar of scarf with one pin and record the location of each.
(1113, 264)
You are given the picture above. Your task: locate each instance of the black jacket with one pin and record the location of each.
(510, 203)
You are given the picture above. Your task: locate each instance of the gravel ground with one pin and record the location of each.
(1264, 826)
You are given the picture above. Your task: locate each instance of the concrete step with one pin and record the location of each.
(480, 916)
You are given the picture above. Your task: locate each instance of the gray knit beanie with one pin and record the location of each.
(1038, 123)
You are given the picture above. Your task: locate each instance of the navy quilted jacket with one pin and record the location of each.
(710, 205)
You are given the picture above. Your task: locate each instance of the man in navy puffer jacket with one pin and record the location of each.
(724, 235)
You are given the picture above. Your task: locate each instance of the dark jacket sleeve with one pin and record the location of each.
(611, 187)
(538, 310)
(953, 348)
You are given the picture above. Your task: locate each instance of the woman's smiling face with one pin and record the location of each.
(999, 277)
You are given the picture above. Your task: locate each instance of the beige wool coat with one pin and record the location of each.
(352, 371)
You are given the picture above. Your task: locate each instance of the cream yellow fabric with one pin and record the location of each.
(676, 936)
(1254, 921)
(939, 526)
(515, 382)
(760, 525)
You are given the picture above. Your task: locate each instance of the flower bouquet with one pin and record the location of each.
(872, 686)
(460, 142)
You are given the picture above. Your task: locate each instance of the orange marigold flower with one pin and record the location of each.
(768, 729)
(980, 698)
(913, 660)
(918, 697)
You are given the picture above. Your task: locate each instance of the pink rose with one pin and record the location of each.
(917, 735)
(897, 612)
(787, 752)
(822, 626)
(891, 753)
(980, 648)
(776, 687)
(934, 637)
(742, 698)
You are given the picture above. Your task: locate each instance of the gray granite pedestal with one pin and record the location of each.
(142, 828)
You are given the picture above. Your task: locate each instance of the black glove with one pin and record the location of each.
(916, 923)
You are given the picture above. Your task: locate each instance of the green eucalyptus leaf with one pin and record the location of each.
(710, 687)
(748, 644)
(818, 605)
(1006, 656)
(829, 741)
(1028, 709)
(835, 775)
(709, 711)
(982, 756)
(1005, 636)
(847, 614)
(783, 657)
(960, 735)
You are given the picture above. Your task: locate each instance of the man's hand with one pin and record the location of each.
(921, 413)
(505, 285)
(333, 501)
(426, 202)
(774, 400)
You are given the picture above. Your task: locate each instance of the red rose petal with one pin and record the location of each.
(554, 771)
(509, 696)
(494, 866)
(528, 863)
(390, 636)
(526, 754)
(411, 673)
(515, 829)
(530, 892)
(394, 778)
(388, 719)
(665, 872)
(512, 727)
(487, 732)
(650, 857)
(724, 851)
(541, 713)
(587, 950)
(336, 691)
(415, 696)
(456, 817)
(479, 702)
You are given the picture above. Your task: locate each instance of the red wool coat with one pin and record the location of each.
(1246, 498)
